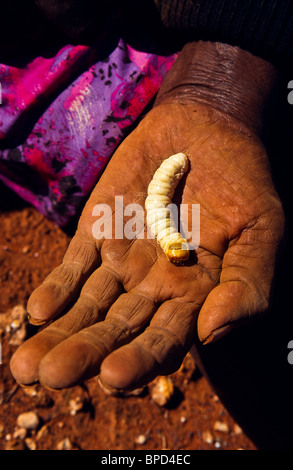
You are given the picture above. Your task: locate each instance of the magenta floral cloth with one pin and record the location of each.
(61, 119)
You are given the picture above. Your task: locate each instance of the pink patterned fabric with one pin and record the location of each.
(61, 119)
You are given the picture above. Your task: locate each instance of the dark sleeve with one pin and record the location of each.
(263, 27)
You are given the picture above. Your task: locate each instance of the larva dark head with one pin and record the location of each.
(178, 252)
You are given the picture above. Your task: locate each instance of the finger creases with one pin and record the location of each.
(63, 284)
(227, 306)
(159, 350)
(79, 356)
(245, 285)
(98, 294)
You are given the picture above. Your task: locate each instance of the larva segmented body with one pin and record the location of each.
(160, 192)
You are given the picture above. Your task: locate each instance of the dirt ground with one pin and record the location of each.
(84, 417)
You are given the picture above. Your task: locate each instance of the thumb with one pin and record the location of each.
(245, 282)
(225, 307)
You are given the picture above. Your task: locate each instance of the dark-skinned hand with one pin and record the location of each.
(122, 310)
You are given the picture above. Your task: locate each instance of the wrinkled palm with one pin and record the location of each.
(123, 310)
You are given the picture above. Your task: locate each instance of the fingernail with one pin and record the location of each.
(35, 321)
(31, 385)
(118, 391)
(217, 334)
(51, 389)
(107, 388)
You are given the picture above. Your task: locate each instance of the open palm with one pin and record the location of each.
(123, 310)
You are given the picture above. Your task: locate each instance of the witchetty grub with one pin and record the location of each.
(160, 192)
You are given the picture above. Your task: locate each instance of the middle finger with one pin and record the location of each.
(79, 356)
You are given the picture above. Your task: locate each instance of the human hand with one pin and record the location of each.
(123, 309)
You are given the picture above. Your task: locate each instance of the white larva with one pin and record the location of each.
(160, 192)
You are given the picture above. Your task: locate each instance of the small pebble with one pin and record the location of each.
(207, 437)
(75, 405)
(30, 390)
(65, 444)
(221, 426)
(28, 420)
(19, 312)
(237, 429)
(20, 433)
(19, 336)
(30, 443)
(140, 439)
(15, 324)
(162, 390)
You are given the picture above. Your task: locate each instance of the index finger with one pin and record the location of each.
(62, 286)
